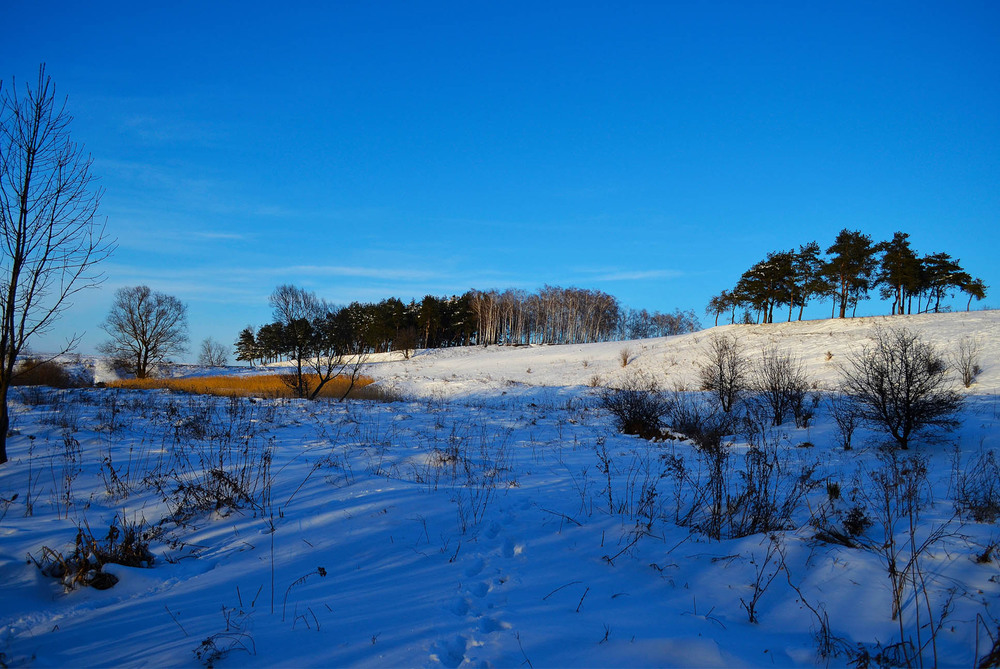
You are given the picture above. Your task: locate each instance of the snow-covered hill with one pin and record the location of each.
(495, 517)
(822, 346)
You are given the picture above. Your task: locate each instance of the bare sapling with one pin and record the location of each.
(965, 360)
(724, 370)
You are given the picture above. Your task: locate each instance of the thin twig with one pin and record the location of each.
(560, 588)
(174, 618)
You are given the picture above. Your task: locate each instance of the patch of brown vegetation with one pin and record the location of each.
(256, 385)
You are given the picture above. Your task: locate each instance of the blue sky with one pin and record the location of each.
(652, 150)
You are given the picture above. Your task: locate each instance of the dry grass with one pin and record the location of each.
(259, 385)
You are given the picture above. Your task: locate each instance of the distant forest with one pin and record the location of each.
(853, 267)
(551, 315)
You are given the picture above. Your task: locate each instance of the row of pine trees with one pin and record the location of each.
(854, 266)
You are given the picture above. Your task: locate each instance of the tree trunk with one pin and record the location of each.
(4, 422)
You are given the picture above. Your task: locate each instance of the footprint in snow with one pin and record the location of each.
(475, 568)
(479, 589)
(493, 531)
(488, 625)
(460, 606)
(450, 653)
(510, 549)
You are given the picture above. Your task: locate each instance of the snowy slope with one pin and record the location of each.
(494, 518)
(673, 361)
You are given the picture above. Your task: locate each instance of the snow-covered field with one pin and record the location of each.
(495, 517)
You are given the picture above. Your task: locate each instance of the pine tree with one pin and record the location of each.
(851, 267)
(808, 281)
(719, 304)
(246, 346)
(941, 275)
(899, 271)
(974, 288)
(769, 283)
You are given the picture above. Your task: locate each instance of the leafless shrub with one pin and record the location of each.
(702, 422)
(899, 384)
(638, 406)
(896, 492)
(722, 502)
(33, 396)
(71, 461)
(977, 488)
(765, 571)
(846, 415)
(780, 380)
(625, 356)
(966, 359)
(724, 370)
(5, 505)
(772, 489)
(116, 410)
(221, 461)
(66, 414)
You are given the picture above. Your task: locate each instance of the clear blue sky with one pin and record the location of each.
(651, 150)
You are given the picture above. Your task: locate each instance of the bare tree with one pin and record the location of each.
(295, 309)
(212, 354)
(146, 328)
(899, 383)
(50, 237)
(724, 370)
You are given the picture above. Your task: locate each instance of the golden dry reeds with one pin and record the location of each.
(255, 385)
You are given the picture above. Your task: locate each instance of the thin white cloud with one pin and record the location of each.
(637, 275)
(394, 274)
(221, 235)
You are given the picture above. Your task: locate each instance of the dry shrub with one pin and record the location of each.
(261, 385)
(724, 370)
(702, 422)
(977, 490)
(34, 372)
(779, 380)
(965, 360)
(725, 501)
(638, 406)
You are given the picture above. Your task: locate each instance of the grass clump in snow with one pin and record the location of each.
(126, 544)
